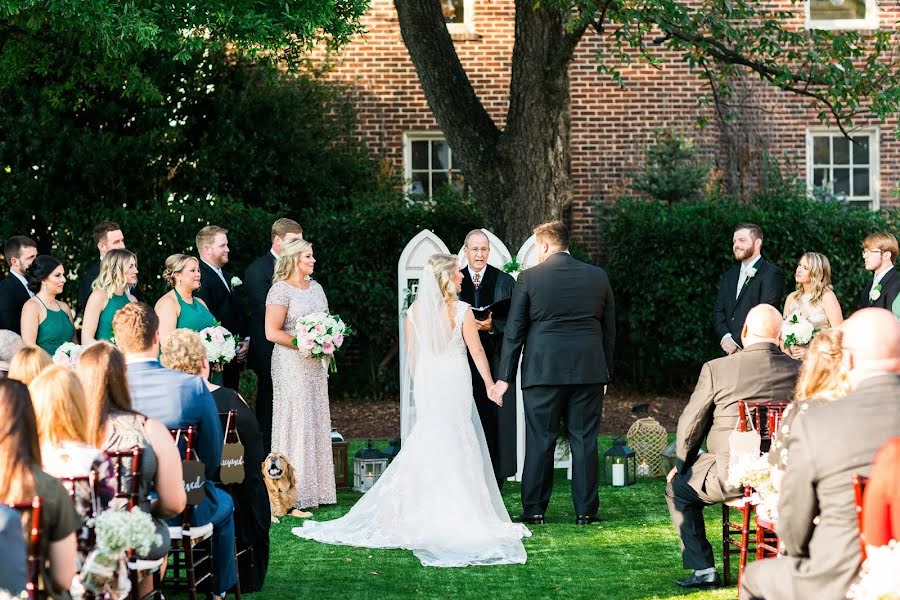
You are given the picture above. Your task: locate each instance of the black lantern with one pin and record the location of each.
(368, 465)
(392, 450)
(619, 464)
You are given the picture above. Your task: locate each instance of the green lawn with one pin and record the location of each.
(634, 554)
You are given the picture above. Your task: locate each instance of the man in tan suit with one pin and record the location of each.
(761, 371)
(826, 447)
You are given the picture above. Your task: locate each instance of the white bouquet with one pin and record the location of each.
(67, 354)
(757, 473)
(220, 344)
(320, 335)
(879, 577)
(116, 532)
(797, 331)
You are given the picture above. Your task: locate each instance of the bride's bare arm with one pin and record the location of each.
(470, 335)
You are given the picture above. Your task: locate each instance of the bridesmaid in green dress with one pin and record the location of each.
(112, 291)
(46, 321)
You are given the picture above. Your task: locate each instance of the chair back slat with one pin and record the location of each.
(32, 585)
(87, 510)
(859, 488)
(186, 434)
(229, 425)
(126, 466)
(765, 416)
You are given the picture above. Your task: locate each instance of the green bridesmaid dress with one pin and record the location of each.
(55, 330)
(104, 324)
(197, 317)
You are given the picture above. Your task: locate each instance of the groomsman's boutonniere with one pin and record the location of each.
(875, 294)
(236, 282)
(751, 272)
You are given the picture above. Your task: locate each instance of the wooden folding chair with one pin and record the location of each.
(33, 547)
(859, 488)
(229, 426)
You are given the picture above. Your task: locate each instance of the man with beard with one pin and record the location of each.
(484, 285)
(754, 281)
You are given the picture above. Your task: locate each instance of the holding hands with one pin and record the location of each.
(496, 391)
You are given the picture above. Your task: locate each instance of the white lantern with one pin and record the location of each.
(368, 465)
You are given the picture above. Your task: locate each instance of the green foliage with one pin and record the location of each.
(667, 261)
(672, 171)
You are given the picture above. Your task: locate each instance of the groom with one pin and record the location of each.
(563, 313)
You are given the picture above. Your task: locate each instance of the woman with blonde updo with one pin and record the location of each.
(814, 299)
(179, 308)
(27, 364)
(112, 291)
(301, 418)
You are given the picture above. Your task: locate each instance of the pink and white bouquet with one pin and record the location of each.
(320, 335)
(220, 344)
(67, 354)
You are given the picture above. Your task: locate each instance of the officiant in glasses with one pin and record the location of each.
(487, 288)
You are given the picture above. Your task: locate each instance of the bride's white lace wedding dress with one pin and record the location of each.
(438, 497)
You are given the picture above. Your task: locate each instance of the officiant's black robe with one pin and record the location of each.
(499, 422)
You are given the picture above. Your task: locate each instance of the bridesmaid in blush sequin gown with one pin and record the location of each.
(301, 419)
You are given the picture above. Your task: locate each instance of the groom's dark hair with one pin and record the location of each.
(755, 230)
(554, 233)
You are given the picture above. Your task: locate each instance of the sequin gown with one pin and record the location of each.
(803, 306)
(301, 419)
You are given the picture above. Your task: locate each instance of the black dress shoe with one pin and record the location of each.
(531, 519)
(700, 581)
(588, 519)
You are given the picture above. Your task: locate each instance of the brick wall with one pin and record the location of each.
(611, 125)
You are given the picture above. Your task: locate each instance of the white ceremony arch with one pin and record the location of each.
(409, 270)
(500, 254)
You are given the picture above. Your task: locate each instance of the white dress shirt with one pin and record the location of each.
(743, 276)
(479, 273)
(879, 276)
(219, 272)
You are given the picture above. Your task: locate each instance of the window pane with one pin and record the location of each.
(841, 150)
(841, 182)
(820, 176)
(440, 155)
(829, 10)
(438, 180)
(860, 182)
(419, 184)
(454, 11)
(821, 150)
(861, 150)
(420, 155)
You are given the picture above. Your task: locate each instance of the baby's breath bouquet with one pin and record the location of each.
(879, 577)
(116, 531)
(757, 473)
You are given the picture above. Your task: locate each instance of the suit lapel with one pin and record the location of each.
(759, 266)
(467, 289)
(213, 276)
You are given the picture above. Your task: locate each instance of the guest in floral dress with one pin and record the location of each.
(301, 419)
(814, 299)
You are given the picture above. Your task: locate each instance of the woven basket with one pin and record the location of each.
(648, 439)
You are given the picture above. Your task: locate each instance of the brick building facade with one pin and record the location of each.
(612, 125)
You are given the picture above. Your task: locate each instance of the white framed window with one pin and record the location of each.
(459, 15)
(845, 167)
(428, 164)
(841, 14)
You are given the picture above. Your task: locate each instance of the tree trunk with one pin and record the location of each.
(520, 176)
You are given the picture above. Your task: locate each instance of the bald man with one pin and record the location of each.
(761, 371)
(826, 447)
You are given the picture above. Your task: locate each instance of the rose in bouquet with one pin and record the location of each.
(220, 344)
(67, 354)
(797, 331)
(320, 335)
(116, 532)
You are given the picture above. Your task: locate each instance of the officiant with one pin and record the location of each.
(489, 288)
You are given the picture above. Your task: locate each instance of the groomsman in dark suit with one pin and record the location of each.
(217, 290)
(817, 521)
(761, 371)
(483, 285)
(14, 293)
(879, 254)
(755, 281)
(108, 236)
(257, 281)
(563, 314)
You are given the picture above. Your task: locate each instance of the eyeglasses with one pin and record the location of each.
(865, 253)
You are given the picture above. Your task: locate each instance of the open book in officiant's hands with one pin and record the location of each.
(500, 309)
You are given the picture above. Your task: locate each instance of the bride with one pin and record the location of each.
(438, 497)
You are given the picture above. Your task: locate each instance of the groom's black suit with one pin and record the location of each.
(499, 422)
(730, 310)
(563, 312)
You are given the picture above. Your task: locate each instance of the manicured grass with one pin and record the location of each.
(634, 554)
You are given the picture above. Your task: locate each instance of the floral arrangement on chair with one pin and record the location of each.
(879, 577)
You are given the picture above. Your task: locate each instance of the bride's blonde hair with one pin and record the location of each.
(443, 265)
(819, 275)
(290, 256)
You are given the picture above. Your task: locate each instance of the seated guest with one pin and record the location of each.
(21, 479)
(179, 400)
(46, 321)
(118, 273)
(183, 351)
(14, 293)
(28, 364)
(823, 379)
(14, 555)
(761, 371)
(115, 426)
(10, 343)
(180, 308)
(881, 504)
(817, 520)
